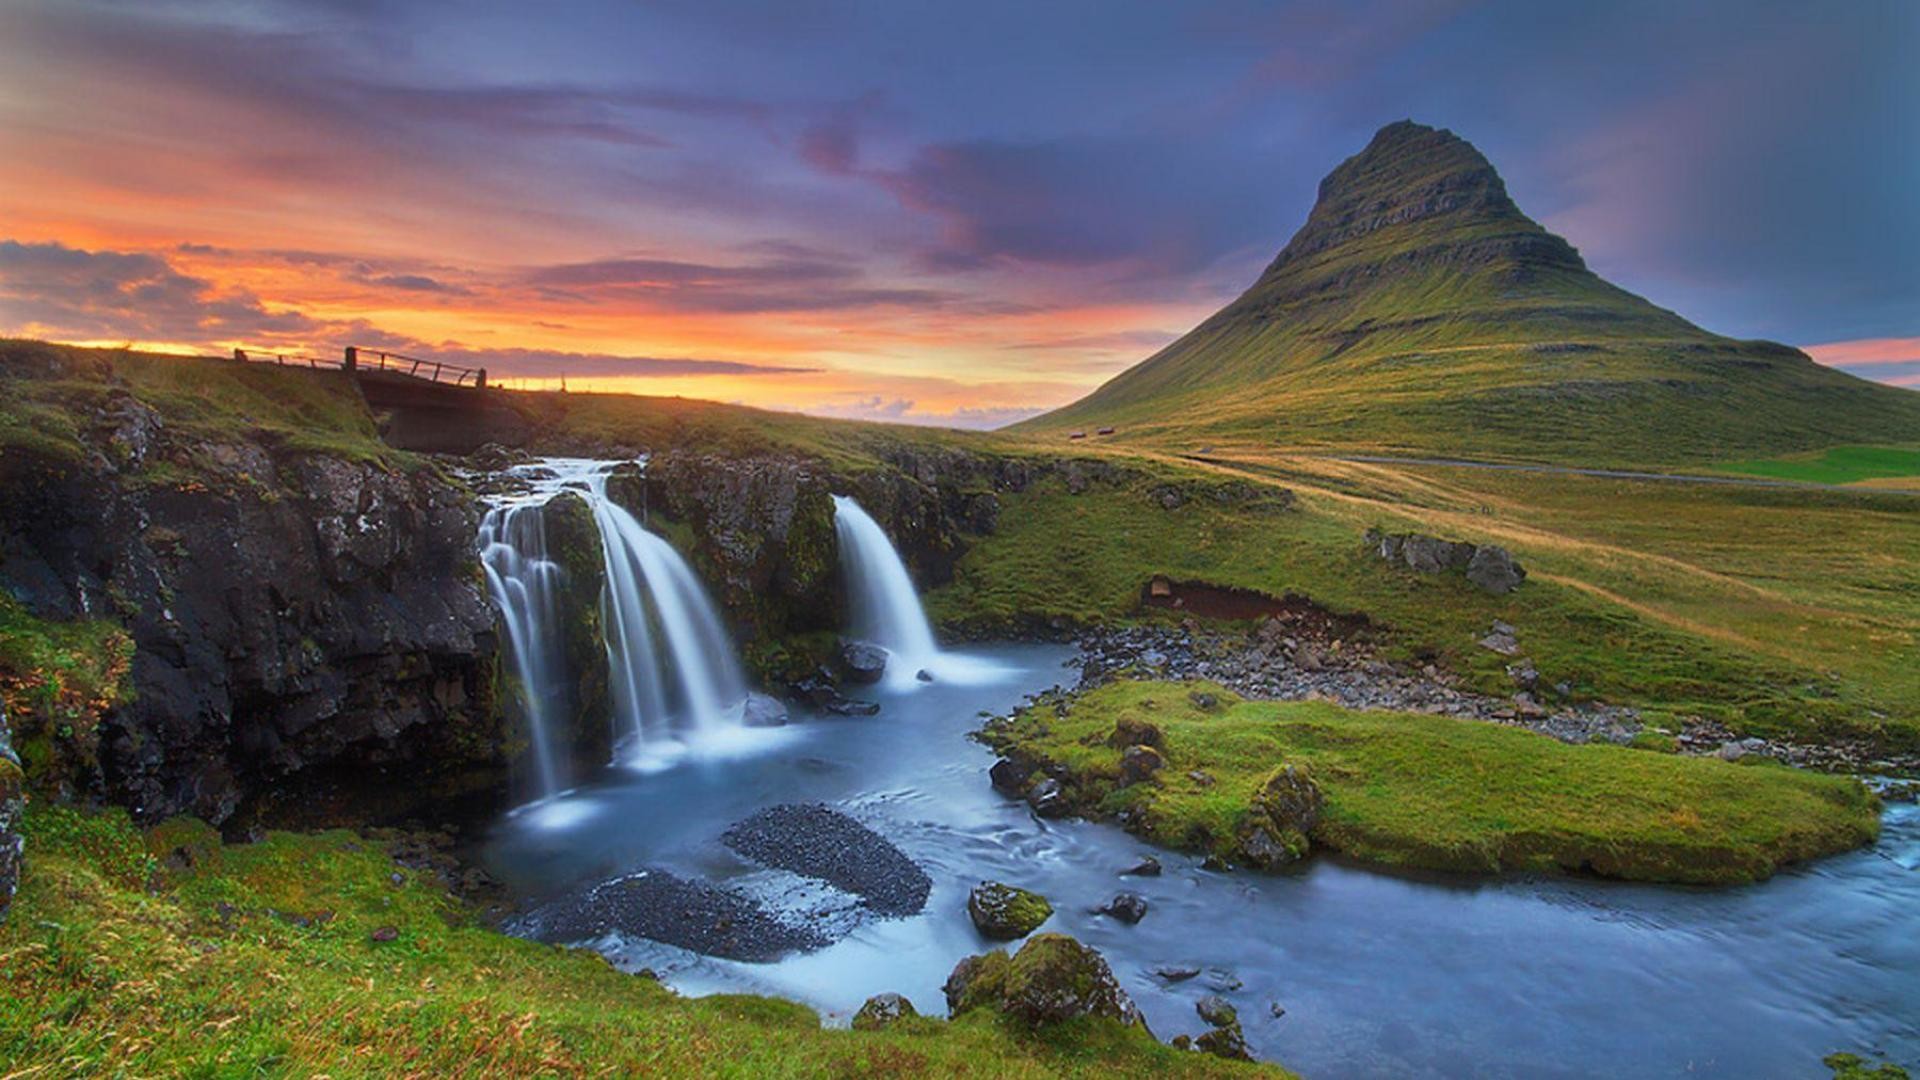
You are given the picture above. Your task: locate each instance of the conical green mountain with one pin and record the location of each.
(1419, 311)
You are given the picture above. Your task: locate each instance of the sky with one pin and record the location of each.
(937, 213)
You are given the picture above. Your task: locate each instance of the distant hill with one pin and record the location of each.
(1419, 311)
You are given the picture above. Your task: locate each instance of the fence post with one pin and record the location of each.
(480, 379)
(352, 360)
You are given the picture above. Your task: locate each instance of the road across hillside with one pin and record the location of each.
(1617, 474)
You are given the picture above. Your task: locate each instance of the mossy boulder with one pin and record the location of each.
(1133, 731)
(882, 1011)
(1051, 980)
(1285, 809)
(1005, 912)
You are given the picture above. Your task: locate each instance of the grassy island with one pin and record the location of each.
(1436, 793)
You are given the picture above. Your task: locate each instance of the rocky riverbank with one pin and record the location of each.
(1306, 654)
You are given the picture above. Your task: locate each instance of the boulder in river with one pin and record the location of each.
(1228, 1042)
(1128, 907)
(1148, 866)
(1010, 776)
(1052, 979)
(1216, 1010)
(863, 662)
(1005, 912)
(1049, 799)
(762, 710)
(882, 1011)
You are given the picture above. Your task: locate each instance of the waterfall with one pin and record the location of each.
(700, 691)
(513, 552)
(886, 609)
(677, 684)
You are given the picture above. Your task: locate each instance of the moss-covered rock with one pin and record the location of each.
(1051, 980)
(1005, 912)
(1286, 807)
(882, 1011)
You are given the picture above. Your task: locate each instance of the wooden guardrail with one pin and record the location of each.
(354, 358)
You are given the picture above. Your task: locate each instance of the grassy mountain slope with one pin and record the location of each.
(1418, 310)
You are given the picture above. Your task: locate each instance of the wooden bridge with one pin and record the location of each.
(361, 361)
(426, 405)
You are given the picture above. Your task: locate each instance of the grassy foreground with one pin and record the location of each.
(1438, 793)
(167, 954)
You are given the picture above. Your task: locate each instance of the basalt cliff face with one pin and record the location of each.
(303, 624)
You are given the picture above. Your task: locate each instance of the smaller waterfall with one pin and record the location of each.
(886, 609)
(513, 552)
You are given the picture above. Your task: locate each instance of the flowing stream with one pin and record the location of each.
(1379, 975)
(1338, 971)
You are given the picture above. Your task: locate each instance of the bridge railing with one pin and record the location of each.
(354, 358)
(430, 370)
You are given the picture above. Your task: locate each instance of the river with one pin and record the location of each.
(1373, 974)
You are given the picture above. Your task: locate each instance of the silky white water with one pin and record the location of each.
(676, 682)
(523, 580)
(886, 610)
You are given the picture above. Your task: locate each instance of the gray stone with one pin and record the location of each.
(1494, 570)
(1138, 764)
(863, 662)
(1216, 1010)
(1128, 907)
(762, 710)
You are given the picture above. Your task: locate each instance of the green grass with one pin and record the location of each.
(1779, 613)
(1840, 465)
(119, 958)
(57, 679)
(1438, 793)
(49, 393)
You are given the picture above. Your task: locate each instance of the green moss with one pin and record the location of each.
(1007, 911)
(57, 680)
(1658, 741)
(1855, 1067)
(260, 959)
(1438, 793)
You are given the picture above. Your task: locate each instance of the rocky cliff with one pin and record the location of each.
(304, 622)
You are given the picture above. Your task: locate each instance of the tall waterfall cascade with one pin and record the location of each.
(676, 681)
(886, 609)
